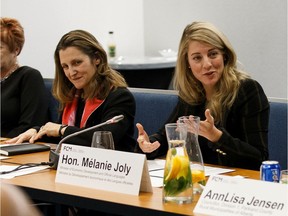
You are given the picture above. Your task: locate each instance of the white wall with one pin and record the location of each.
(45, 21)
(256, 28)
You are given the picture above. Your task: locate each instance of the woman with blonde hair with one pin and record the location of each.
(233, 108)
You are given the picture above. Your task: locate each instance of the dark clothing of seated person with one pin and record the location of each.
(23, 95)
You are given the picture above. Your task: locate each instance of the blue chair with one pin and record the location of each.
(53, 103)
(153, 108)
(277, 135)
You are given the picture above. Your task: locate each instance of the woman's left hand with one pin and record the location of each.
(207, 128)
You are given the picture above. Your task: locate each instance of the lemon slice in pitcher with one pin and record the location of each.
(175, 168)
(197, 176)
(184, 167)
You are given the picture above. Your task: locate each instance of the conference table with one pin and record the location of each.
(41, 186)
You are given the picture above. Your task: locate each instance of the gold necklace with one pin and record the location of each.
(16, 66)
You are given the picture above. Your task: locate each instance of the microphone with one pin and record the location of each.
(54, 154)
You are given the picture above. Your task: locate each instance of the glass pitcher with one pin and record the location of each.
(177, 183)
(194, 152)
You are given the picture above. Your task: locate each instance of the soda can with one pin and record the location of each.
(270, 171)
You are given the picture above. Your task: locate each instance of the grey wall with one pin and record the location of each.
(256, 28)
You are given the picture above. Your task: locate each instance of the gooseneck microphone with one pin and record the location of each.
(54, 154)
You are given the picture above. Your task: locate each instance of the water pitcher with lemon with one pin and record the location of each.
(177, 182)
(194, 152)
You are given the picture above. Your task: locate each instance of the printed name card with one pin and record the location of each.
(226, 196)
(103, 169)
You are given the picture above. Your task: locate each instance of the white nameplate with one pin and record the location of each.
(226, 196)
(103, 169)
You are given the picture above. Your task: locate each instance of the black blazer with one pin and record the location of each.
(119, 102)
(245, 130)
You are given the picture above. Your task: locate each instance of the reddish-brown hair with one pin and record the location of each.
(12, 34)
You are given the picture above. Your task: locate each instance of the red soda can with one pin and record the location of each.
(270, 171)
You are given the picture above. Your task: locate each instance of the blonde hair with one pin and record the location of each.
(190, 89)
(104, 79)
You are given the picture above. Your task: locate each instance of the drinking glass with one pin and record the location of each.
(177, 182)
(103, 139)
(194, 152)
(284, 177)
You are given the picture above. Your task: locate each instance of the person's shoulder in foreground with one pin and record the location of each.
(15, 202)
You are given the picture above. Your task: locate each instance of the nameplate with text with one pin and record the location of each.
(227, 195)
(103, 169)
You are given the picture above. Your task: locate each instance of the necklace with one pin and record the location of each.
(16, 66)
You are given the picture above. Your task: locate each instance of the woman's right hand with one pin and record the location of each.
(143, 140)
(27, 135)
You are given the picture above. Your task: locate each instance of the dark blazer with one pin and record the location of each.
(118, 102)
(245, 130)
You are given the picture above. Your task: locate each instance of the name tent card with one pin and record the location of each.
(103, 169)
(226, 196)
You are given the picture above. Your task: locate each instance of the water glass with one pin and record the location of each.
(103, 139)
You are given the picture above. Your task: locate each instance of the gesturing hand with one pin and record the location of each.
(207, 128)
(143, 140)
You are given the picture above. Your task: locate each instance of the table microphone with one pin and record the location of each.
(54, 154)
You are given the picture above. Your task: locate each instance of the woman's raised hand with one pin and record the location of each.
(208, 129)
(143, 140)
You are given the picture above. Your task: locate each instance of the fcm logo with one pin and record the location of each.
(217, 179)
(67, 148)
